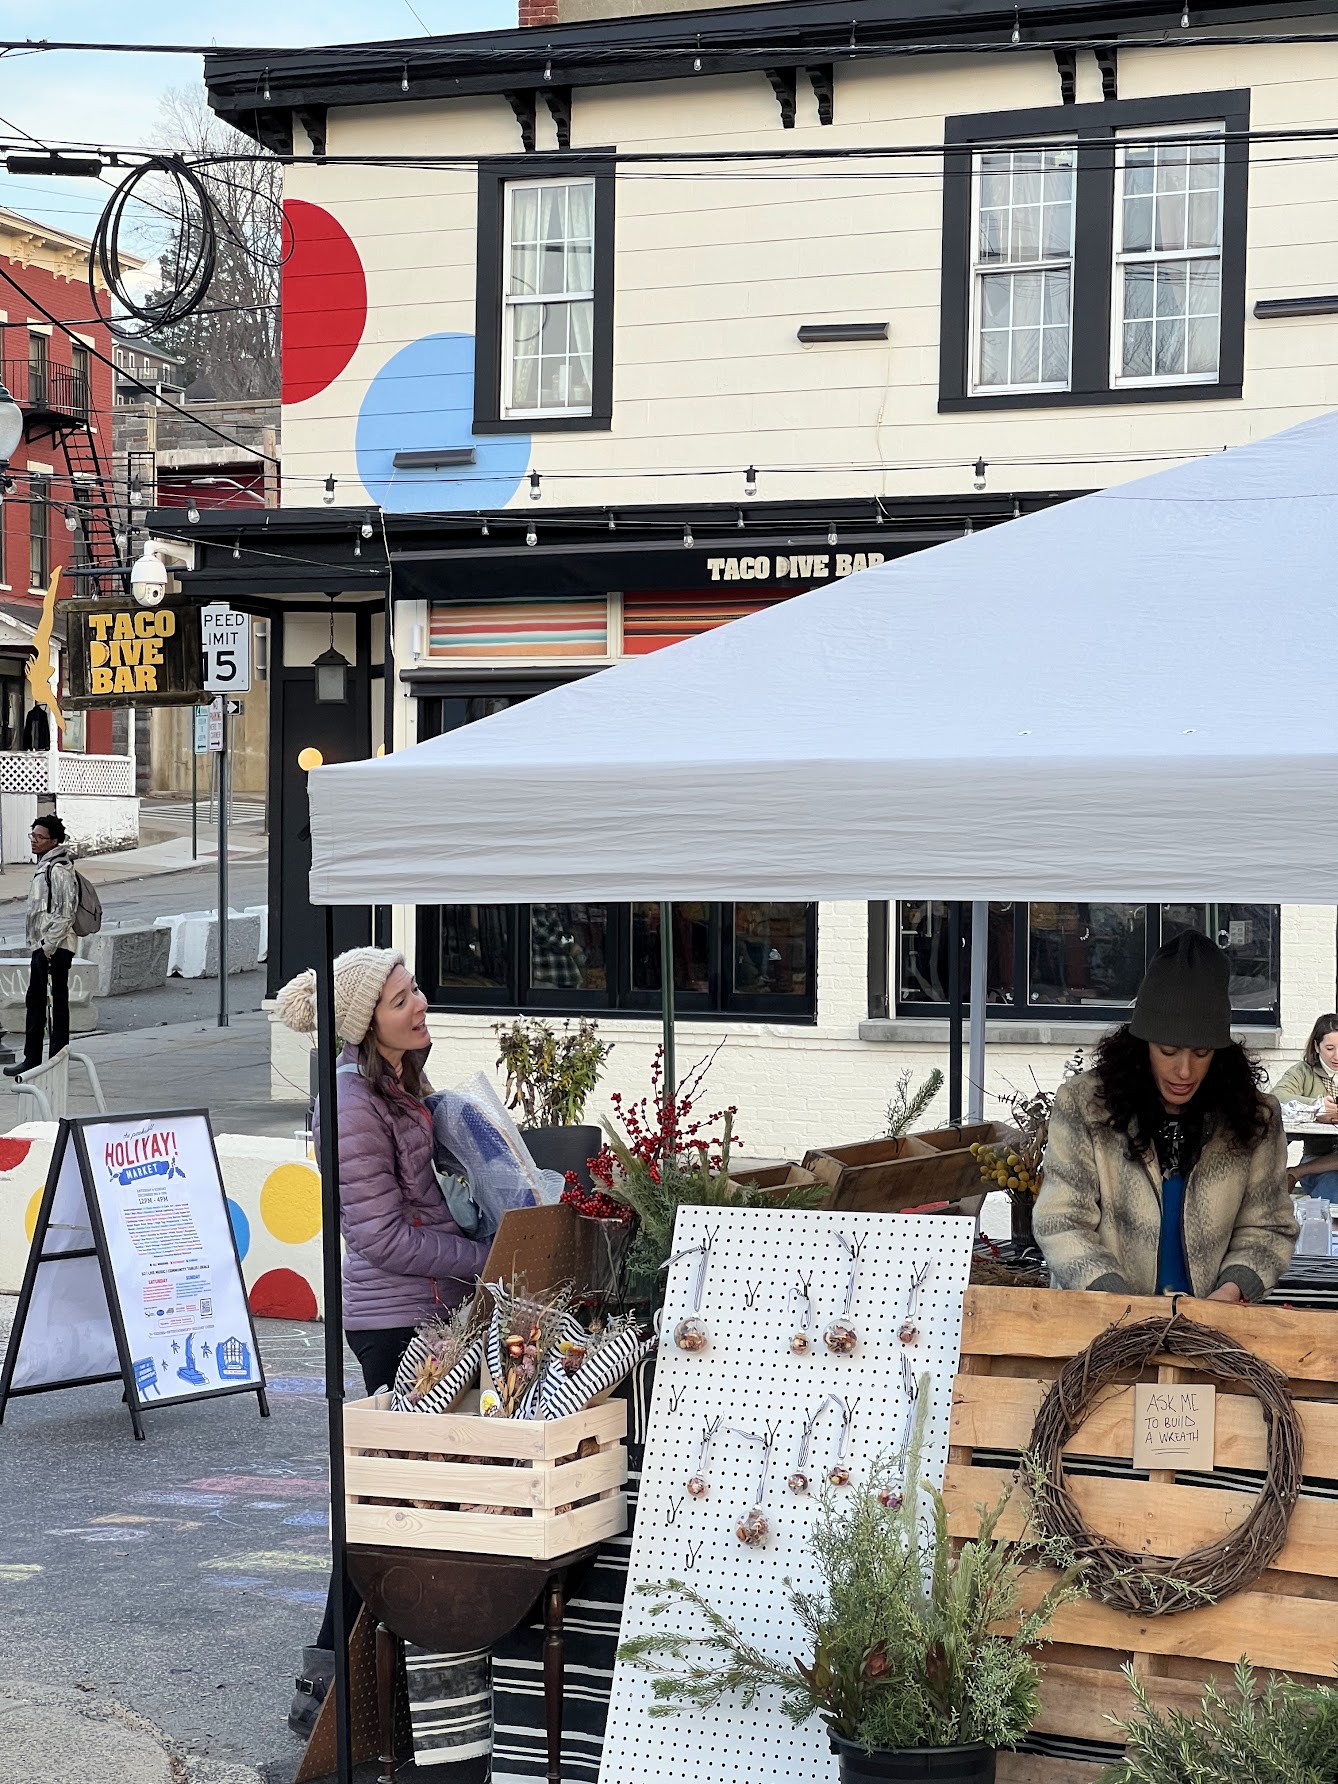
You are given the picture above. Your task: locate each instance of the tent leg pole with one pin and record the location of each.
(331, 1263)
(980, 943)
(955, 1013)
(667, 1000)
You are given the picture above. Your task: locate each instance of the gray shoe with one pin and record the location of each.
(313, 1683)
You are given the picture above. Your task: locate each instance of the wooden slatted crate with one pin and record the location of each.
(1014, 1343)
(554, 1503)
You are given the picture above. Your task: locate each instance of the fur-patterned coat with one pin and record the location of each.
(1098, 1214)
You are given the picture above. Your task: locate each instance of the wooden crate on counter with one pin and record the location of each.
(884, 1176)
(551, 1500)
(1014, 1343)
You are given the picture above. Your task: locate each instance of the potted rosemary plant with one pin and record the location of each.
(550, 1076)
(907, 1663)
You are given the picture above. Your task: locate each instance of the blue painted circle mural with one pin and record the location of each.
(241, 1227)
(421, 399)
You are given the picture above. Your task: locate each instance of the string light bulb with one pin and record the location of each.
(265, 95)
(613, 525)
(750, 481)
(72, 518)
(357, 546)
(535, 481)
(484, 529)
(366, 529)
(329, 492)
(980, 473)
(236, 550)
(831, 534)
(404, 78)
(1184, 16)
(739, 522)
(548, 68)
(688, 540)
(1017, 28)
(193, 513)
(531, 537)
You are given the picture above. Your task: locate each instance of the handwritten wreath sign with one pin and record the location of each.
(1154, 1585)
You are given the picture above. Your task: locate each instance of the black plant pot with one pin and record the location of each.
(563, 1149)
(914, 1765)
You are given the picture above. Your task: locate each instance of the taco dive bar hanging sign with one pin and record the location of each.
(126, 655)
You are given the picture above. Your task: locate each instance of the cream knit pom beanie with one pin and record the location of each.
(359, 979)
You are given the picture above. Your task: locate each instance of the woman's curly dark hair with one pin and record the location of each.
(1230, 1097)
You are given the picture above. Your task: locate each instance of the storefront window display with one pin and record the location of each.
(1083, 960)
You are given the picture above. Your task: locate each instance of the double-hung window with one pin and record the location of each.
(1022, 280)
(1095, 253)
(1168, 261)
(544, 295)
(549, 301)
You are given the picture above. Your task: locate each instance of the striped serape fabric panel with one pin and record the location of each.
(595, 1593)
(450, 1707)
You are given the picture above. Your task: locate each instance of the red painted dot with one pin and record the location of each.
(282, 1294)
(324, 300)
(13, 1153)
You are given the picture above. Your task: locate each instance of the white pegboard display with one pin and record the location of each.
(749, 1378)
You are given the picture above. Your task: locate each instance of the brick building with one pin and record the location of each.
(58, 511)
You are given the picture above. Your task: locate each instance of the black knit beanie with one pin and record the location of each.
(1185, 997)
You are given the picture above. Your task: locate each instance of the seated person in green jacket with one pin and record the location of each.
(1314, 1079)
(1166, 1166)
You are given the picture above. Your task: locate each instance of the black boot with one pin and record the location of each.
(20, 1066)
(313, 1683)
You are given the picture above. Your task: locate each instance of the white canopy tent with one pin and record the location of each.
(1124, 697)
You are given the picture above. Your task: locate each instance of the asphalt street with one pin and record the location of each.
(179, 1577)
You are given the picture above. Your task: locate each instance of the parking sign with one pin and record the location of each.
(225, 642)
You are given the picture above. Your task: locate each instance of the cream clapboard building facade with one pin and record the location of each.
(600, 396)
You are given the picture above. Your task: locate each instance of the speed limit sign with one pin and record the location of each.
(225, 640)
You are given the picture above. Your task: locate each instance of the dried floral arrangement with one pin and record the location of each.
(665, 1157)
(1017, 1166)
(441, 1362)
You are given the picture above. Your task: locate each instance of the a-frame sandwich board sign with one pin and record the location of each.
(133, 1273)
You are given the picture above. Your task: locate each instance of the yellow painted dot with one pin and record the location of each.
(308, 759)
(290, 1204)
(30, 1214)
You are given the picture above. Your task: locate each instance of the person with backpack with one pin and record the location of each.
(61, 907)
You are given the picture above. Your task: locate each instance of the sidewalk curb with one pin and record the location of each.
(68, 1735)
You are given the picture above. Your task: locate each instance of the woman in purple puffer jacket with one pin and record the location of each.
(404, 1257)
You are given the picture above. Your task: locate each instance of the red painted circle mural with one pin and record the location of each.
(324, 300)
(282, 1294)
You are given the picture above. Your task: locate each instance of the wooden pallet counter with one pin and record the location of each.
(549, 1498)
(1014, 1343)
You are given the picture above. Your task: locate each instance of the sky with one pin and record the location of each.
(114, 99)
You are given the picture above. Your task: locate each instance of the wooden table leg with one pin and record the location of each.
(387, 1658)
(554, 1610)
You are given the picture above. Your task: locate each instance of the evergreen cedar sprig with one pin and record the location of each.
(906, 1106)
(903, 1628)
(550, 1076)
(1277, 1733)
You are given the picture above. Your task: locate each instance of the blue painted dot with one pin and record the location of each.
(241, 1228)
(424, 398)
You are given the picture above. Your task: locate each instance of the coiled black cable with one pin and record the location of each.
(189, 269)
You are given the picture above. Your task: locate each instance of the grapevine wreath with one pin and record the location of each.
(1153, 1585)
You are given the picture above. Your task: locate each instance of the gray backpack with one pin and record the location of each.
(87, 918)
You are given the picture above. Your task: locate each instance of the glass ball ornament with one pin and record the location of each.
(798, 1482)
(840, 1338)
(838, 1475)
(800, 1344)
(753, 1529)
(698, 1487)
(890, 1499)
(690, 1334)
(908, 1332)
